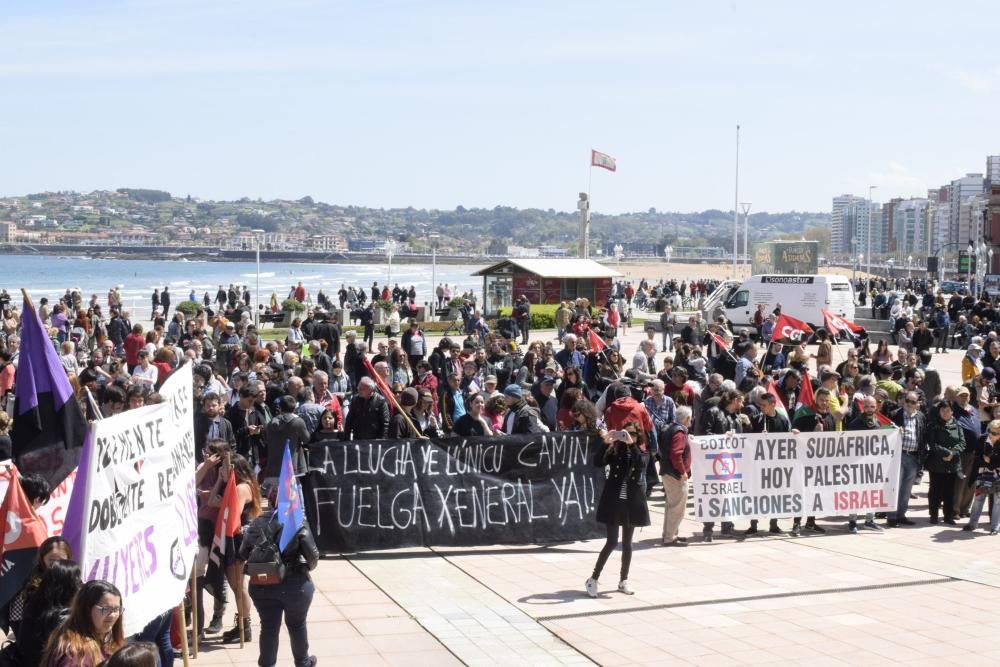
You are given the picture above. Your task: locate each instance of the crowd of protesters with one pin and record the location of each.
(322, 381)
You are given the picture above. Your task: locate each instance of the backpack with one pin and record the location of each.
(264, 564)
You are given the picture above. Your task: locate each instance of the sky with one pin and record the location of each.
(440, 104)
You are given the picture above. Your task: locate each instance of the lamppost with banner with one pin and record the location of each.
(258, 237)
(390, 249)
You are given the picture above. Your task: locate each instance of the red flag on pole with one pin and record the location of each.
(596, 344)
(227, 525)
(835, 323)
(23, 533)
(380, 382)
(719, 340)
(790, 331)
(602, 160)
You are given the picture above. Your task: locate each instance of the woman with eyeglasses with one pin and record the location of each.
(986, 479)
(93, 631)
(622, 507)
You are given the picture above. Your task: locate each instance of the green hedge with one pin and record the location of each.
(189, 308)
(542, 317)
(293, 305)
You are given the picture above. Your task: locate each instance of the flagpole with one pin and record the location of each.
(239, 600)
(194, 609)
(27, 299)
(183, 633)
(585, 250)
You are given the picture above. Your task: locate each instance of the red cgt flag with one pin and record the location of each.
(790, 331)
(227, 525)
(602, 160)
(719, 340)
(23, 533)
(835, 323)
(380, 382)
(596, 344)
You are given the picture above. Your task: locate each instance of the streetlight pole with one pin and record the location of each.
(968, 265)
(746, 235)
(258, 234)
(390, 247)
(736, 203)
(870, 188)
(434, 244)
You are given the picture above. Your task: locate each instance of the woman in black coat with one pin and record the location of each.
(623, 500)
(47, 608)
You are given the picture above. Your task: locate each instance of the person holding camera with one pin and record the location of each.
(622, 507)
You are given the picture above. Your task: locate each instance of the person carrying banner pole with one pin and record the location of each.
(391, 397)
(49, 426)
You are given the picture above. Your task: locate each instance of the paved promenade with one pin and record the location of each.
(923, 595)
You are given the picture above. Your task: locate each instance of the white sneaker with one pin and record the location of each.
(591, 587)
(623, 587)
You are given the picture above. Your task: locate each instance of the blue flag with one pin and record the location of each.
(289, 501)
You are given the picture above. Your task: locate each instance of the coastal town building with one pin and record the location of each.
(544, 281)
(7, 231)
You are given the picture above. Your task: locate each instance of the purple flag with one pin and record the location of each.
(49, 426)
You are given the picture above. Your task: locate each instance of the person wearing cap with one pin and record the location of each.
(839, 405)
(452, 401)
(544, 393)
(967, 416)
(521, 418)
(226, 349)
(983, 393)
(489, 387)
(972, 364)
(885, 381)
(401, 424)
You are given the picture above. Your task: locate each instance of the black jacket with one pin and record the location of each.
(286, 427)
(719, 422)
(400, 429)
(945, 439)
(201, 429)
(467, 425)
(367, 418)
(810, 423)
(329, 332)
(626, 466)
(522, 418)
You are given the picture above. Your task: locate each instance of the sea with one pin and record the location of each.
(136, 278)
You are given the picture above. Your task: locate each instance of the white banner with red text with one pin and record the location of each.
(776, 475)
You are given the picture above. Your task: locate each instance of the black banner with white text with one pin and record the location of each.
(386, 494)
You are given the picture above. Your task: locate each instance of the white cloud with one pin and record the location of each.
(979, 82)
(896, 179)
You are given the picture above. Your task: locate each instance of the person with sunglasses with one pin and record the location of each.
(913, 428)
(622, 507)
(93, 632)
(987, 467)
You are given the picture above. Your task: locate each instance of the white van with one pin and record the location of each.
(802, 297)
